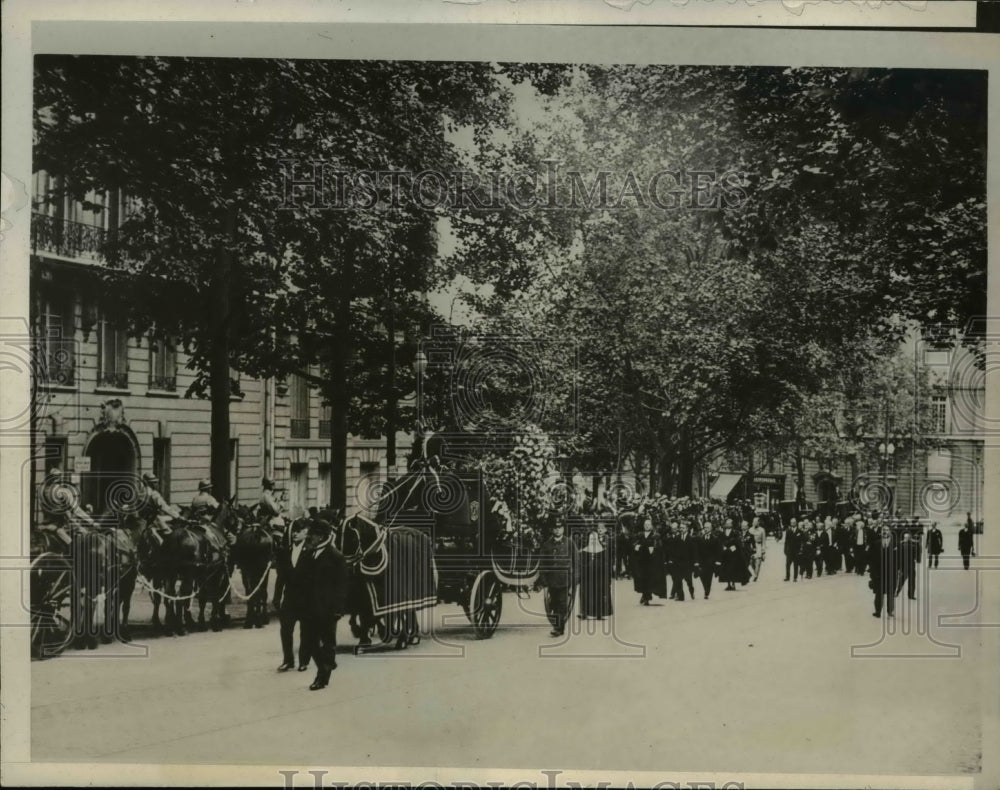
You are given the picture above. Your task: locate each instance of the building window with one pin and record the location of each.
(112, 362)
(161, 465)
(235, 390)
(298, 391)
(234, 468)
(162, 364)
(56, 452)
(325, 420)
(323, 490)
(56, 340)
(298, 489)
(939, 414)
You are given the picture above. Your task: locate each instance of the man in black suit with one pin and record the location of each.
(821, 543)
(860, 540)
(324, 578)
(792, 552)
(706, 557)
(965, 543)
(909, 557)
(935, 545)
(292, 597)
(682, 559)
(883, 570)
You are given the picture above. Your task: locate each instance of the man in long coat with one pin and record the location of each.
(649, 576)
(556, 563)
(965, 543)
(324, 578)
(734, 558)
(884, 570)
(935, 545)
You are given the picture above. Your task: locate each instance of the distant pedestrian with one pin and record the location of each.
(883, 570)
(909, 557)
(706, 557)
(596, 564)
(791, 549)
(965, 544)
(935, 545)
(859, 538)
(807, 549)
(734, 559)
(821, 547)
(557, 577)
(648, 572)
(682, 557)
(760, 546)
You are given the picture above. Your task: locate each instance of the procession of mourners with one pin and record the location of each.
(669, 548)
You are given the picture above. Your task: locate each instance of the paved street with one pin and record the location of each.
(761, 679)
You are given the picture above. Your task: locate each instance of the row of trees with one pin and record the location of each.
(829, 230)
(769, 322)
(247, 271)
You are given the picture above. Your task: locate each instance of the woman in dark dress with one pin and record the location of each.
(734, 564)
(596, 564)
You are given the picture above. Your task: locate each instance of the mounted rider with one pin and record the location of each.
(157, 512)
(270, 510)
(204, 504)
(60, 503)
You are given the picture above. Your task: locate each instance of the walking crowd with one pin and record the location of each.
(658, 553)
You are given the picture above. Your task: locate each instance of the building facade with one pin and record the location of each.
(110, 407)
(943, 482)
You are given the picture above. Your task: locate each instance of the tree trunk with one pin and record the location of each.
(800, 478)
(219, 358)
(685, 473)
(390, 395)
(340, 393)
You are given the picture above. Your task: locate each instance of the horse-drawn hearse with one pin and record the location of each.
(435, 538)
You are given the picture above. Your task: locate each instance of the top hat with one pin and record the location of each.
(205, 485)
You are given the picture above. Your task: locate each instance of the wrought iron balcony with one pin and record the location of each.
(163, 383)
(67, 238)
(300, 429)
(117, 381)
(58, 364)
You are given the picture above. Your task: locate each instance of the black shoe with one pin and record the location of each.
(787, 579)
(303, 667)
(876, 614)
(320, 682)
(555, 632)
(286, 666)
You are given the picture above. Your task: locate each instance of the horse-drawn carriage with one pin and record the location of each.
(436, 538)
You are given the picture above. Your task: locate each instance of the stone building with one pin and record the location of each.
(110, 407)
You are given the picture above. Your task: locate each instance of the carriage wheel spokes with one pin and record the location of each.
(51, 606)
(485, 604)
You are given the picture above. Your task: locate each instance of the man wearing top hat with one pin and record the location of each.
(324, 580)
(293, 598)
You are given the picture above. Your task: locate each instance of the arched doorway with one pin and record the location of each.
(114, 463)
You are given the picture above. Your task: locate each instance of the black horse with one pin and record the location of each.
(392, 577)
(253, 554)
